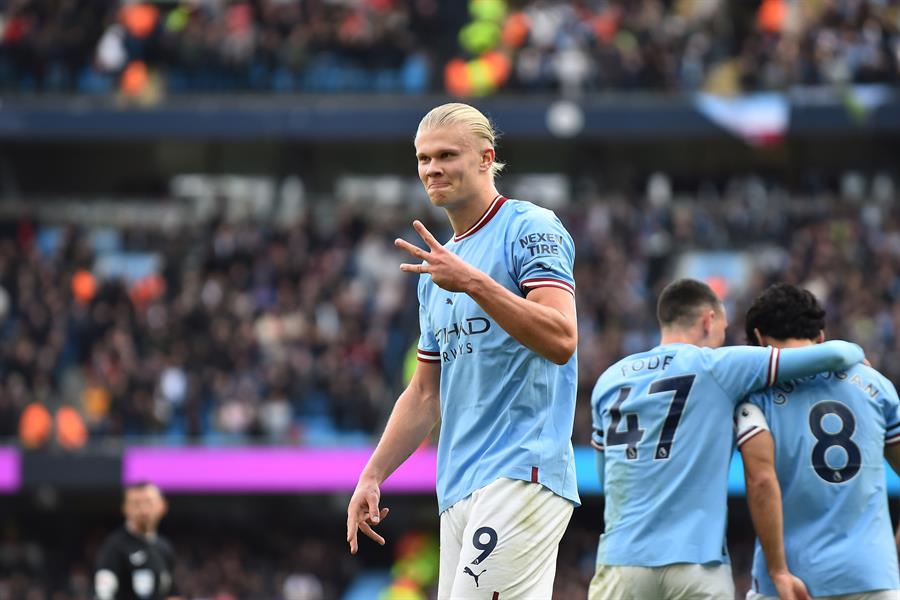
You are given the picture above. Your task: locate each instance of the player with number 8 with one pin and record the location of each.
(662, 428)
(824, 440)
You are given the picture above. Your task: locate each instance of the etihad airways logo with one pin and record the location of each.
(466, 327)
(454, 338)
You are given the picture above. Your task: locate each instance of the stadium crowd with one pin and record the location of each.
(297, 322)
(264, 45)
(286, 333)
(718, 45)
(411, 46)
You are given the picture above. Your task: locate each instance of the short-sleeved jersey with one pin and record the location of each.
(142, 567)
(506, 411)
(656, 417)
(830, 431)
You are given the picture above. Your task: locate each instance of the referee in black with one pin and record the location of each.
(135, 563)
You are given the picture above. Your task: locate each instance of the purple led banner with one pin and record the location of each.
(10, 470)
(269, 469)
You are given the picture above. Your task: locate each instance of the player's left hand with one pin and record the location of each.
(789, 587)
(447, 270)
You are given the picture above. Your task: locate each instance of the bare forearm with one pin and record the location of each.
(413, 417)
(542, 329)
(764, 499)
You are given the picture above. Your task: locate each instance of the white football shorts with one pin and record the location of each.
(681, 581)
(500, 543)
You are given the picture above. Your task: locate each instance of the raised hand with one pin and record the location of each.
(447, 270)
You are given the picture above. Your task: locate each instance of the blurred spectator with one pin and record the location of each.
(134, 560)
(399, 46)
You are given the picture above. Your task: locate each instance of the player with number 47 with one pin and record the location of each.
(663, 431)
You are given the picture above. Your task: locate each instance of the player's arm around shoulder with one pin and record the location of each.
(739, 370)
(833, 355)
(415, 414)
(743, 369)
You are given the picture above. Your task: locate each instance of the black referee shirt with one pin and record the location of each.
(143, 567)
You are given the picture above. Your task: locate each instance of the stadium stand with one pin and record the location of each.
(310, 323)
(410, 46)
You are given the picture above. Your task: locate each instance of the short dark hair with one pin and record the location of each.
(785, 312)
(680, 301)
(138, 485)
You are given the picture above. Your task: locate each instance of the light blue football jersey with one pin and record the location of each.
(830, 431)
(663, 419)
(506, 411)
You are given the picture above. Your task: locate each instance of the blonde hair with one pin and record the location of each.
(457, 113)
